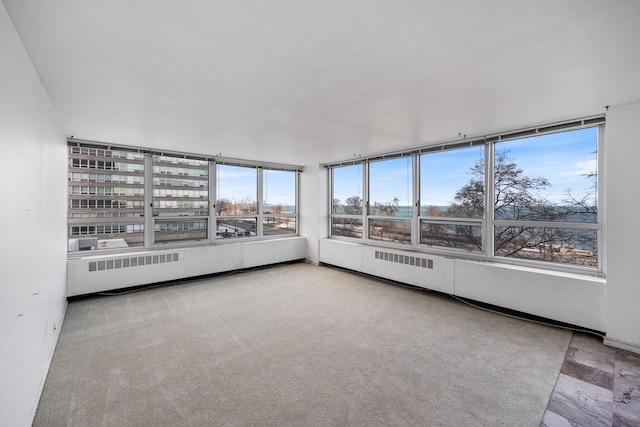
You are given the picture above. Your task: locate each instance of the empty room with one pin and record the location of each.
(331, 213)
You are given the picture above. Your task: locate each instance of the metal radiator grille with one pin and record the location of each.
(404, 259)
(135, 261)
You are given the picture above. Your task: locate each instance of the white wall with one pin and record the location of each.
(568, 298)
(313, 208)
(622, 231)
(33, 244)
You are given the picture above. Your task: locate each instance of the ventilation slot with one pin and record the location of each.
(404, 259)
(132, 262)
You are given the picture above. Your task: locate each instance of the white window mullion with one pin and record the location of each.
(601, 202)
(329, 201)
(260, 202)
(297, 202)
(211, 219)
(148, 201)
(365, 200)
(415, 221)
(489, 191)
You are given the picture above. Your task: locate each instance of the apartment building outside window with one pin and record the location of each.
(180, 199)
(106, 199)
(126, 197)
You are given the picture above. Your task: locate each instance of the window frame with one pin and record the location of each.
(596, 226)
(262, 185)
(158, 218)
(445, 220)
(89, 216)
(488, 222)
(372, 217)
(362, 217)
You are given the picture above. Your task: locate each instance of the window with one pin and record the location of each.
(279, 203)
(452, 198)
(108, 215)
(524, 197)
(346, 205)
(390, 202)
(546, 199)
(236, 201)
(180, 199)
(123, 198)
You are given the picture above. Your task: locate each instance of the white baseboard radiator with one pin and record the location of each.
(99, 273)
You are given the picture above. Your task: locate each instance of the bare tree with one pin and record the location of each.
(353, 206)
(585, 204)
(516, 197)
(222, 206)
(386, 208)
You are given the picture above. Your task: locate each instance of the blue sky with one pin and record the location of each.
(563, 158)
(240, 183)
(279, 188)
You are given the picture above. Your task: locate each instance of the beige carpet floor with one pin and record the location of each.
(296, 345)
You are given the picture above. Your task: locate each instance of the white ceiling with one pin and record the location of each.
(309, 81)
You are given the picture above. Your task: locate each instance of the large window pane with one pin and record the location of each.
(551, 178)
(458, 236)
(452, 183)
(560, 245)
(347, 190)
(105, 186)
(390, 230)
(237, 189)
(279, 203)
(237, 197)
(180, 190)
(547, 178)
(390, 187)
(279, 188)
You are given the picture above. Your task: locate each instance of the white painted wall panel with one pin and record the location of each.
(33, 245)
(341, 254)
(566, 298)
(213, 259)
(313, 208)
(265, 252)
(622, 232)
